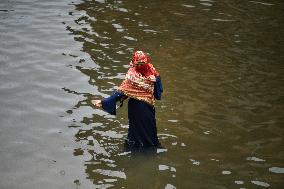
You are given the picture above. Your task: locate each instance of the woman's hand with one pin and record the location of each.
(97, 103)
(152, 78)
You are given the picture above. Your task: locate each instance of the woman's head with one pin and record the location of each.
(140, 58)
(141, 63)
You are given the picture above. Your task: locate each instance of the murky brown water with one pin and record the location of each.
(221, 117)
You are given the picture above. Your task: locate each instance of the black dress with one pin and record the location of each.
(142, 131)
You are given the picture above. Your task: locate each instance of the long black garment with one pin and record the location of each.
(142, 131)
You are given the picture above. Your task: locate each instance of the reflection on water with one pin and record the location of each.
(214, 110)
(219, 120)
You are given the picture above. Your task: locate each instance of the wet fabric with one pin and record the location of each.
(109, 104)
(142, 130)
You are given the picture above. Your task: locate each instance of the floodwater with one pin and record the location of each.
(220, 119)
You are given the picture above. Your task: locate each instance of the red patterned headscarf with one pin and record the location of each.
(137, 83)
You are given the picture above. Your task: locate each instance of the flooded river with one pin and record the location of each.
(220, 119)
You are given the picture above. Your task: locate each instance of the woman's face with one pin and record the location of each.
(141, 67)
(139, 64)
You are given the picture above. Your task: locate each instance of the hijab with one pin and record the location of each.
(137, 83)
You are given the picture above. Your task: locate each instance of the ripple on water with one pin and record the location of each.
(194, 162)
(163, 167)
(161, 150)
(165, 135)
(110, 134)
(206, 2)
(226, 172)
(255, 159)
(260, 183)
(122, 9)
(124, 153)
(118, 27)
(279, 170)
(261, 3)
(150, 31)
(239, 182)
(9, 85)
(222, 20)
(110, 180)
(98, 149)
(111, 173)
(188, 6)
(170, 186)
(173, 120)
(129, 38)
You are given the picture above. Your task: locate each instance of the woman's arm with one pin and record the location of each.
(158, 88)
(109, 104)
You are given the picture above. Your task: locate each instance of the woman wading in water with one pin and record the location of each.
(142, 84)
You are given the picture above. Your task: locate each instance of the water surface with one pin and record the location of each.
(220, 118)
